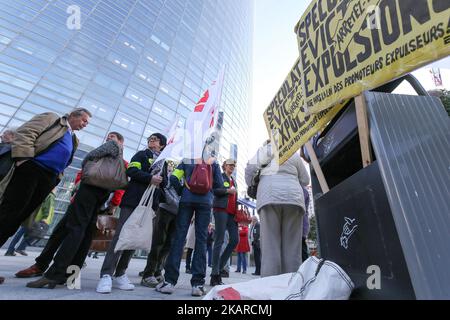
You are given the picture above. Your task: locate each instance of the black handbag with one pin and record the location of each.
(6, 162)
(252, 190)
(38, 230)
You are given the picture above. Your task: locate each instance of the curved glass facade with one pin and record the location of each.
(135, 64)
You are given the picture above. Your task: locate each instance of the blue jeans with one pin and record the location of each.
(223, 222)
(16, 239)
(242, 260)
(198, 267)
(209, 251)
(27, 241)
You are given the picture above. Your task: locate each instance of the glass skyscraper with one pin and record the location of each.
(135, 64)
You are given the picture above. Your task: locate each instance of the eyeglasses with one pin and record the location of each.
(153, 139)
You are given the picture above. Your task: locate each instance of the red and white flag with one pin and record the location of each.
(200, 123)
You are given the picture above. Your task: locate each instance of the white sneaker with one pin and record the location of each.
(165, 287)
(123, 283)
(105, 284)
(198, 291)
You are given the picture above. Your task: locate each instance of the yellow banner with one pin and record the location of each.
(288, 131)
(348, 46)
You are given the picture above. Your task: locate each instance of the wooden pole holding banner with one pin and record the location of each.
(317, 169)
(363, 129)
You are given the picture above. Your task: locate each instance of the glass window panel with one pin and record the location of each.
(169, 90)
(101, 94)
(163, 111)
(16, 81)
(55, 95)
(138, 97)
(24, 115)
(7, 110)
(3, 120)
(33, 108)
(132, 108)
(13, 101)
(130, 123)
(15, 123)
(110, 83)
(131, 138)
(48, 103)
(14, 91)
(98, 109)
(128, 153)
(89, 139)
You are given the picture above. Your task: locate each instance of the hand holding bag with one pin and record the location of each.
(137, 231)
(104, 233)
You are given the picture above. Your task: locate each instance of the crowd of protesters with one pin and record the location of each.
(202, 221)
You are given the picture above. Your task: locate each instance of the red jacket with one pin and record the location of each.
(243, 245)
(118, 194)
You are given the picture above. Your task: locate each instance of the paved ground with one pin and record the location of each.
(15, 289)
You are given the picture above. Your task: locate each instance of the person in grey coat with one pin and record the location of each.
(281, 208)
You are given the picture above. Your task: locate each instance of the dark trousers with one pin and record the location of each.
(305, 254)
(189, 258)
(28, 188)
(257, 257)
(81, 215)
(54, 242)
(163, 230)
(223, 222)
(116, 263)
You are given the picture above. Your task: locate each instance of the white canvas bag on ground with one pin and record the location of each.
(137, 231)
(315, 280)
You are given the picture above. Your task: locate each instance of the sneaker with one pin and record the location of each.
(22, 252)
(11, 254)
(198, 291)
(123, 283)
(33, 271)
(224, 274)
(165, 287)
(105, 284)
(216, 280)
(151, 282)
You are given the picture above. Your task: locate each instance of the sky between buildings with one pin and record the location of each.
(275, 51)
